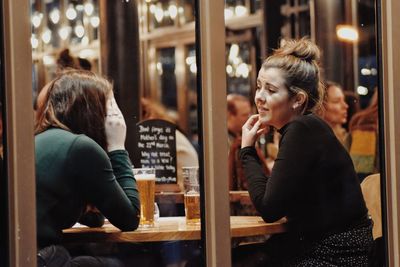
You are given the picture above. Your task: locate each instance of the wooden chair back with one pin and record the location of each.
(371, 190)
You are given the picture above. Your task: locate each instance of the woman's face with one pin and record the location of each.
(335, 106)
(272, 98)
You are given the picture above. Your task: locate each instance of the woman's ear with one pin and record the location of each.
(300, 99)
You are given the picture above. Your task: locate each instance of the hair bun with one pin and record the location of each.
(303, 49)
(65, 60)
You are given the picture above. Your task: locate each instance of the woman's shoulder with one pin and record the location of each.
(310, 118)
(307, 122)
(309, 125)
(57, 137)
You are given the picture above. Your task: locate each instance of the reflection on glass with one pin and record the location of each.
(238, 68)
(296, 17)
(256, 5)
(345, 32)
(236, 8)
(367, 64)
(58, 24)
(169, 77)
(191, 70)
(166, 77)
(162, 13)
(165, 13)
(186, 11)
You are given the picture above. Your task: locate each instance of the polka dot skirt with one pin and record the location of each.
(348, 248)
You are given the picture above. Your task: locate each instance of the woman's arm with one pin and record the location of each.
(106, 182)
(91, 217)
(273, 197)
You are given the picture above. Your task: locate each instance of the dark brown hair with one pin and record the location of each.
(66, 61)
(75, 101)
(368, 118)
(299, 61)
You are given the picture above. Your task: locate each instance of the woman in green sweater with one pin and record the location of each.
(80, 160)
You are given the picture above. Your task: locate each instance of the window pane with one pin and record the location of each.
(160, 109)
(350, 61)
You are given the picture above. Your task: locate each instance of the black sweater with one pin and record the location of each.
(313, 182)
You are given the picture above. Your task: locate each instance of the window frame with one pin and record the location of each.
(20, 141)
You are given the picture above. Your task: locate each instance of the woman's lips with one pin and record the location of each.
(262, 110)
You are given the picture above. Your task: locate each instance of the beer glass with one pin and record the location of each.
(191, 194)
(146, 180)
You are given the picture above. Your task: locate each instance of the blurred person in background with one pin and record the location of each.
(364, 132)
(66, 61)
(80, 159)
(334, 111)
(239, 110)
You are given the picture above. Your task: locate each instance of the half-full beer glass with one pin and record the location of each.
(146, 179)
(191, 194)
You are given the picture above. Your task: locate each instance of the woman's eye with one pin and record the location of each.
(270, 89)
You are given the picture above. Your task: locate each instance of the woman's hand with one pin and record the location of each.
(115, 126)
(251, 130)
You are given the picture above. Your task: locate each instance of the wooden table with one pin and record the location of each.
(170, 228)
(177, 197)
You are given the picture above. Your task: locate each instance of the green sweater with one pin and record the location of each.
(72, 171)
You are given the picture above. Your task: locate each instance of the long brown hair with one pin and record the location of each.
(75, 101)
(368, 118)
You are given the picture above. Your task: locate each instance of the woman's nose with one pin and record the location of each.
(259, 97)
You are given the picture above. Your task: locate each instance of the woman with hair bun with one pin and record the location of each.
(313, 183)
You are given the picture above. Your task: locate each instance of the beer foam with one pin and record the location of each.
(145, 176)
(192, 193)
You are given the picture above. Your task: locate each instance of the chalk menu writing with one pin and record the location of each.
(156, 148)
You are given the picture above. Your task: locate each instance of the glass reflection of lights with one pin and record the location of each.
(60, 23)
(347, 33)
(164, 13)
(235, 8)
(55, 16)
(191, 62)
(71, 12)
(362, 90)
(236, 67)
(89, 8)
(36, 19)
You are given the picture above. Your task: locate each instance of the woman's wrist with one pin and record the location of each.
(111, 148)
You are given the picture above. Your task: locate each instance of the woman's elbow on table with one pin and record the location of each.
(270, 219)
(130, 224)
(270, 215)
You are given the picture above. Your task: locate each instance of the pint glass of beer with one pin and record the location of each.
(191, 194)
(146, 180)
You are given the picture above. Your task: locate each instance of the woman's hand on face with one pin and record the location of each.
(251, 130)
(115, 126)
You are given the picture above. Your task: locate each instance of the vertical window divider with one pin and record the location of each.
(211, 28)
(19, 132)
